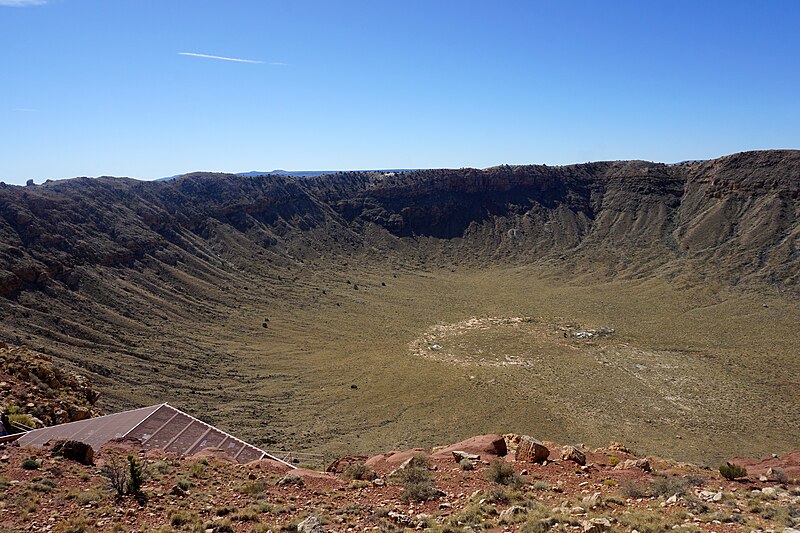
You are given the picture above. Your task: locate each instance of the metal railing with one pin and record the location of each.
(21, 427)
(314, 460)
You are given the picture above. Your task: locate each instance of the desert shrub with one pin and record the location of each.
(539, 525)
(613, 460)
(475, 515)
(25, 502)
(117, 473)
(497, 495)
(668, 486)
(417, 481)
(695, 504)
(291, 479)
(265, 507)
(503, 473)
(634, 489)
(135, 475)
(22, 418)
(87, 497)
(197, 470)
(162, 467)
(390, 527)
(541, 485)
(75, 524)
(223, 526)
(31, 463)
(183, 483)
(466, 464)
(358, 471)
(253, 488)
(181, 518)
(45, 485)
(732, 471)
(780, 476)
(246, 515)
(126, 477)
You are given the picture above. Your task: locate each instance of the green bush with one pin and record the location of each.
(417, 481)
(358, 471)
(732, 471)
(22, 418)
(180, 518)
(162, 467)
(31, 463)
(466, 464)
(125, 479)
(135, 475)
(503, 473)
(541, 485)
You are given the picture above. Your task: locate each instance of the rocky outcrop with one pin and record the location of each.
(74, 450)
(480, 445)
(531, 450)
(33, 388)
(571, 453)
(742, 211)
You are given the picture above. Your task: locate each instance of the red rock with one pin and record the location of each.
(531, 450)
(571, 453)
(480, 445)
(788, 463)
(387, 462)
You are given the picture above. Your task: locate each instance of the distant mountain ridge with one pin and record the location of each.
(294, 173)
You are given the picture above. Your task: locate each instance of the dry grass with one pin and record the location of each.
(686, 361)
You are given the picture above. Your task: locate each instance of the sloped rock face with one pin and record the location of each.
(31, 384)
(742, 211)
(484, 445)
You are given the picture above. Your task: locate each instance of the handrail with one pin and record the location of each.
(298, 457)
(21, 427)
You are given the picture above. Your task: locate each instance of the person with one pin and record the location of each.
(5, 424)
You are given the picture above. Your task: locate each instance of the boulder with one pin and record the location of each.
(571, 453)
(291, 479)
(310, 525)
(508, 516)
(590, 502)
(531, 450)
(388, 462)
(74, 450)
(596, 525)
(461, 455)
(629, 464)
(480, 445)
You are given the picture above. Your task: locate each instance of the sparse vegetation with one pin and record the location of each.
(162, 467)
(358, 471)
(417, 481)
(732, 471)
(318, 343)
(126, 477)
(31, 463)
(503, 473)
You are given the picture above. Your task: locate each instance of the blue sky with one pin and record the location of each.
(92, 87)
